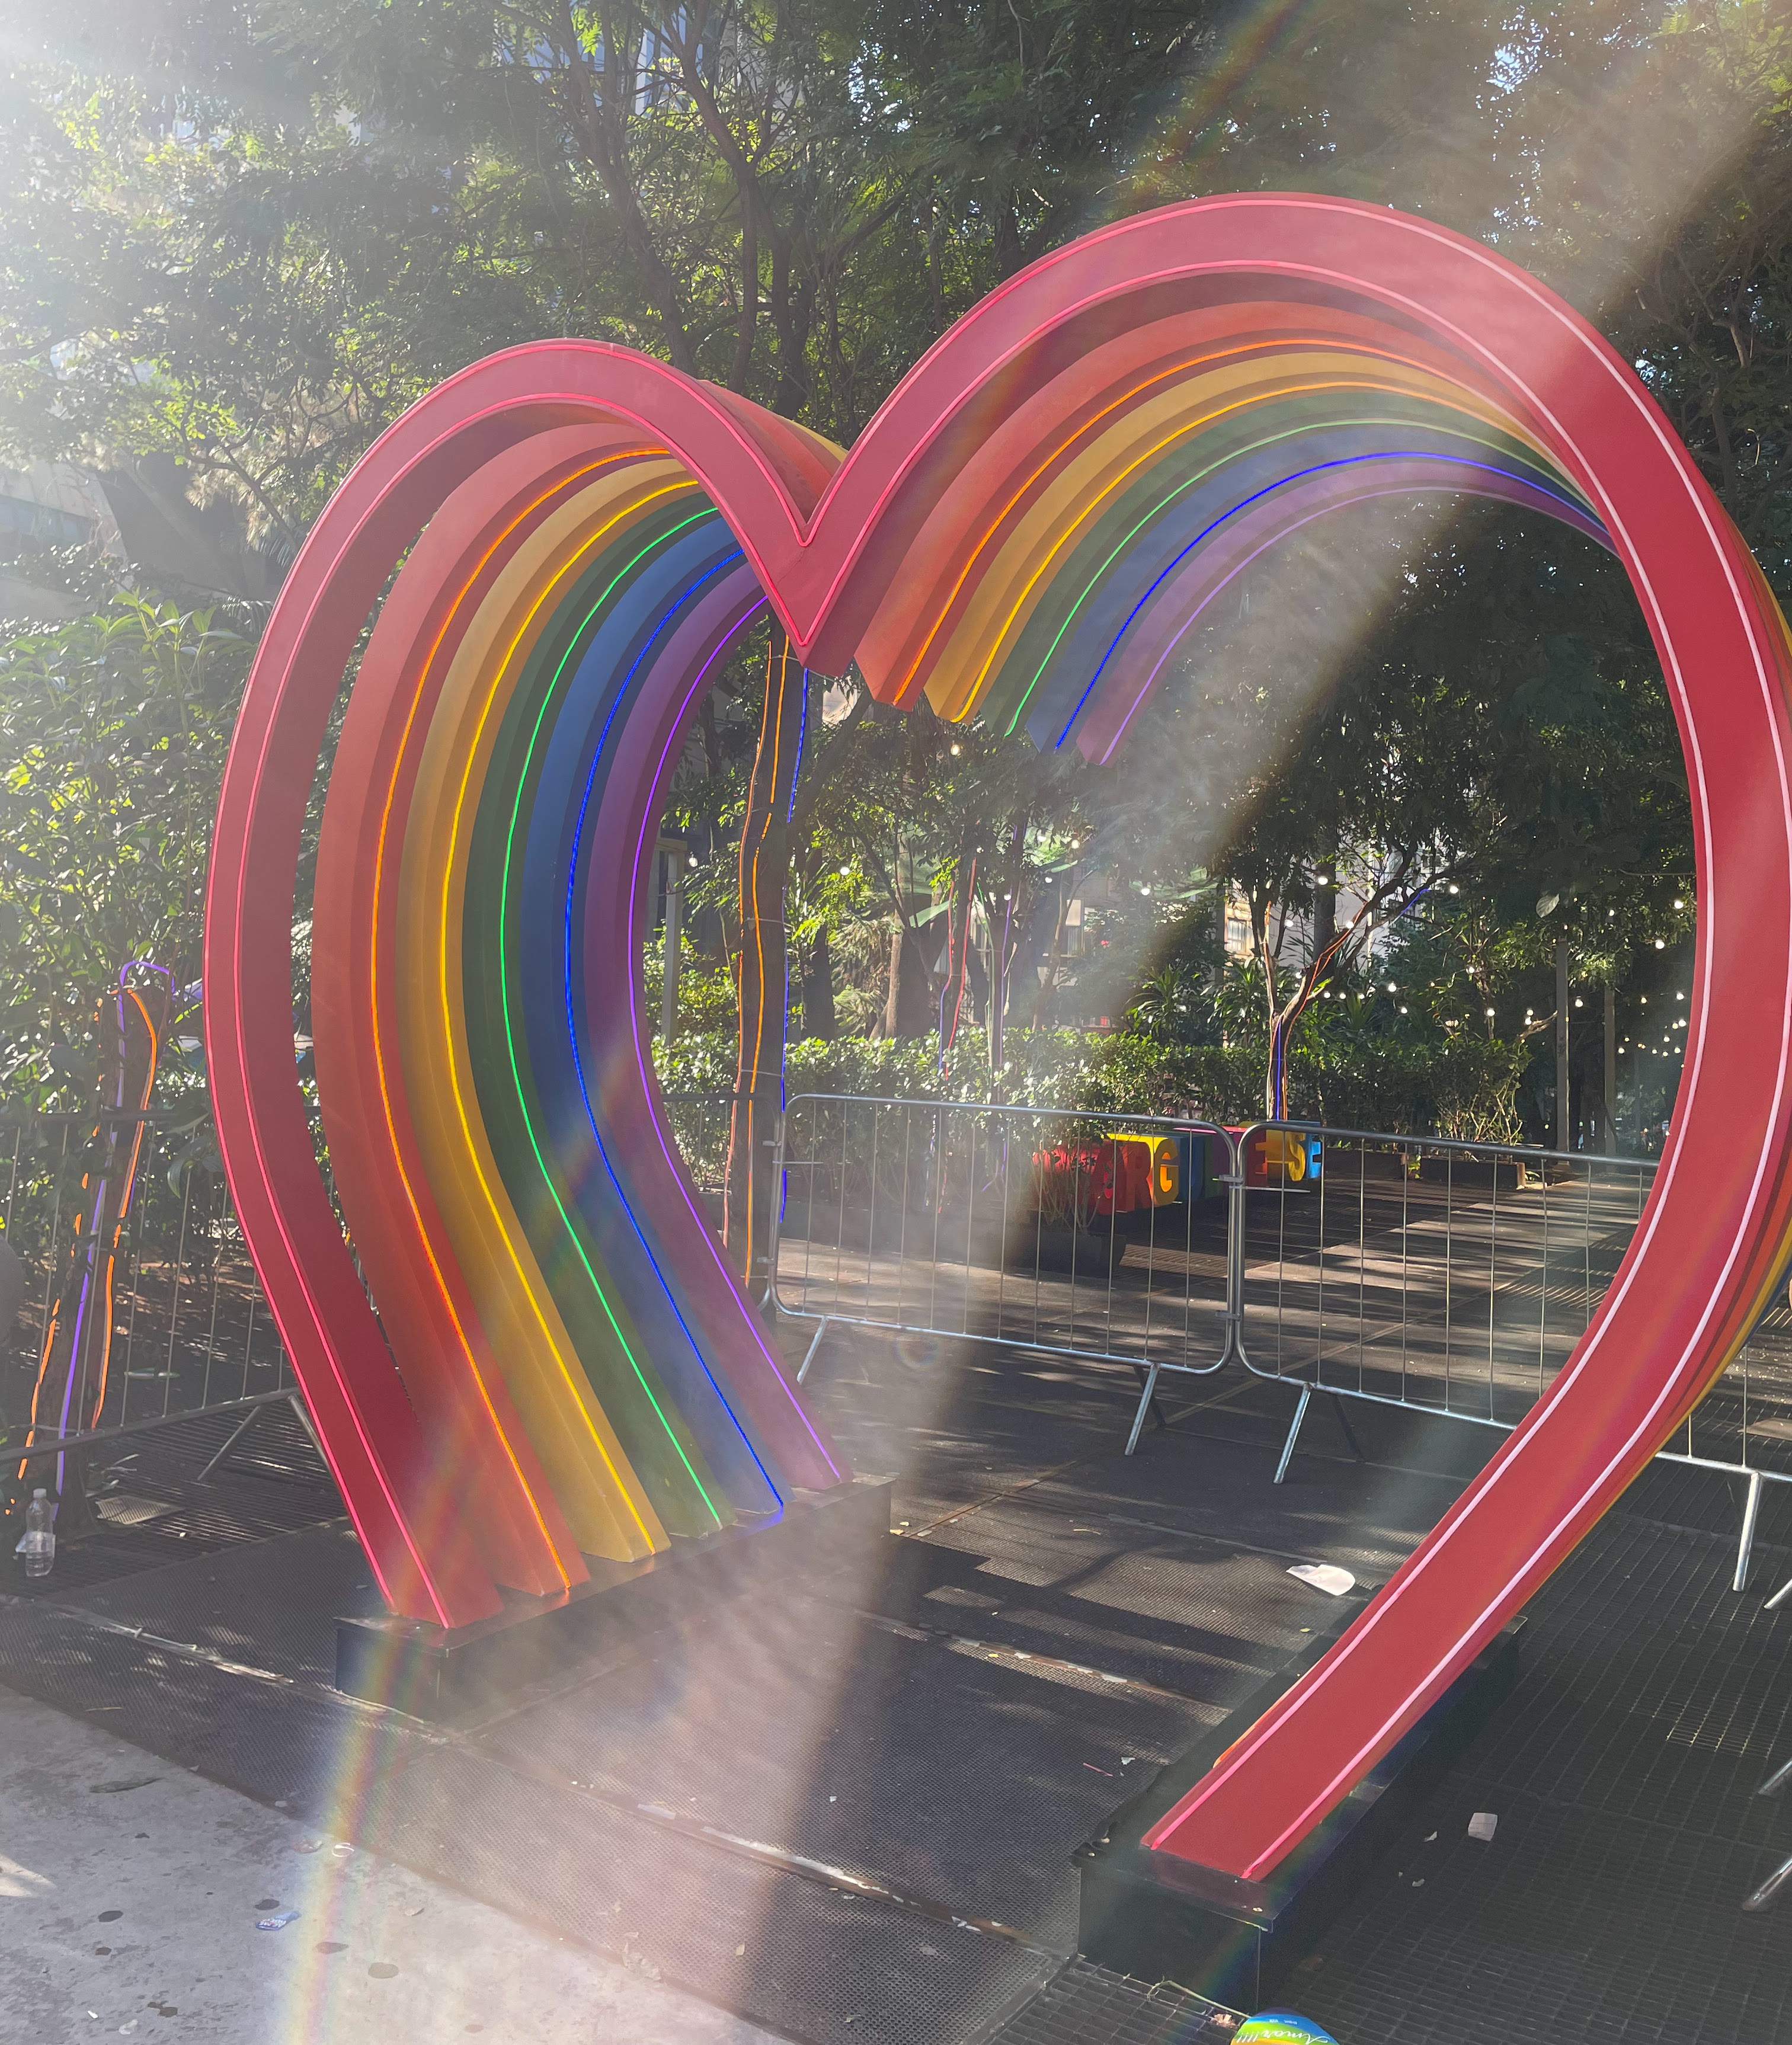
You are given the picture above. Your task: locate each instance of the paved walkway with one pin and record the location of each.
(129, 1890)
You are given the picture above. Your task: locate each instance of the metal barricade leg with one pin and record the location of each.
(235, 1435)
(1142, 1372)
(1763, 1897)
(304, 1418)
(809, 1353)
(1293, 1433)
(1147, 1398)
(1745, 1546)
(1777, 1781)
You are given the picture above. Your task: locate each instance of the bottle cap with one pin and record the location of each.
(39, 1492)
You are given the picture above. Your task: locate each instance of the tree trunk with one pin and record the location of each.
(908, 1010)
(819, 1018)
(1006, 918)
(957, 946)
(1611, 1071)
(764, 962)
(1325, 919)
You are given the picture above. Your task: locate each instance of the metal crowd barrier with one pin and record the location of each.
(182, 1327)
(1447, 1278)
(1031, 1227)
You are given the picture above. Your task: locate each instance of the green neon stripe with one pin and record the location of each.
(486, 963)
(1498, 446)
(510, 1037)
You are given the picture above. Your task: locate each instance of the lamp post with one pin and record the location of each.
(1562, 1130)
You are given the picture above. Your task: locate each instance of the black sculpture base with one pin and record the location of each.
(435, 1672)
(1158, 1918)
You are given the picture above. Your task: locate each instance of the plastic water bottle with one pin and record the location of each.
(38, 1542)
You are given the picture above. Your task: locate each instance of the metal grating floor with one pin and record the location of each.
(156, 1514)
(844, 1805)
(1084, 2003)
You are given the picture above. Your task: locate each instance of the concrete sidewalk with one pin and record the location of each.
(129, 1892)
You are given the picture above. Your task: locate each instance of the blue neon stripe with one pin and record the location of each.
(621, 694)
(802, 727)
(1346, 461)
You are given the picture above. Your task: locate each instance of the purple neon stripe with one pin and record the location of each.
(698, 1222)
(1407, 457)
(1281, 532)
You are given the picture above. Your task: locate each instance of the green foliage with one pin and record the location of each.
(245, 233)
(112, 732)
(1463, 1089)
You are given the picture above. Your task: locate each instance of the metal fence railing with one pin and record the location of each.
(1103, 1238)
(1455, 1278)
(157, 1316)
(1452, 1279)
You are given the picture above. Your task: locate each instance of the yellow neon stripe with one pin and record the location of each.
(592, 1519)
(1054, 525)
(703, 511)
(515, 1303)
(1259, 358)
(512, 1281)
(610, 508)
(1077, 497)
(1189, 482)
(1269, 356)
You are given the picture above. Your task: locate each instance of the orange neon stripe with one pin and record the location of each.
(752, 895)
(378, 1051)
(1252, 351)
(50, 1332)
(1127, 399)
(124, 1201)
(377, 1035)
(540, 600)
(965, 697)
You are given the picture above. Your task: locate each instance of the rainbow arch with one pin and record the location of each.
(479, 1042)
(498, 778)
(1028, 526)
(1050, 589)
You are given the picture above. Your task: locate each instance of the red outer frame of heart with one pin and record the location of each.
(827, 543)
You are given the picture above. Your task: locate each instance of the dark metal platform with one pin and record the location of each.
(844, 1802)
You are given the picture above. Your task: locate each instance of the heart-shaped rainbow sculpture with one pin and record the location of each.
(1025, 531)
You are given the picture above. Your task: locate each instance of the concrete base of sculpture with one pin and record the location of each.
(1159, 1918)
(435, 1672)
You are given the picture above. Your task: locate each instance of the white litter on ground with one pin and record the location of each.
(1324, 1576)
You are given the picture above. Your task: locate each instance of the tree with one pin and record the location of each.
(242, 234)
(113, 731)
